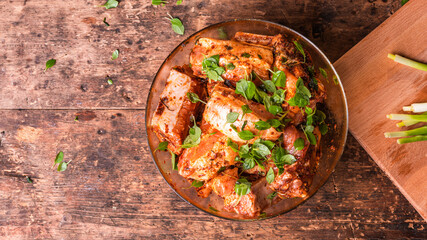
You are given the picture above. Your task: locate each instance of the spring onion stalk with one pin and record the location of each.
(416, 108)
(407, 123)
(412, 139)
(408, 62)
(413, 132)
(419, 118)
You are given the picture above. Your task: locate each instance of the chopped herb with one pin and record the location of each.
(246, 55)
(230, 66)
(106, 22)
(211, 68)
(177, 25)
(261, 125)
(232, 145)
(213, 209)
(242, 187)
(62, 166)
(246, 135)
(76, 118)
(246, 88)
(299, 144)
(323, 72)
(179, 2)
(271, 195)
(245, 110)
(110, 4)
(213, 133)
(163, 146)
(193, 138)
(110, 82)
(300, 48)
(29, 179)
(50, 63)
(270, 176)
(194, 98)
(232, 117)
(197, 183)
(221, 169)
(158, 2)
(115, 54)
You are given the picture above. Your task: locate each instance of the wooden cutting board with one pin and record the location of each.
(376, 86)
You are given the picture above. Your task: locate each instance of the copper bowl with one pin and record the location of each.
(335, 105)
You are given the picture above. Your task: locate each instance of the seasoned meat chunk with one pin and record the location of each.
(171, 120)
(245, 205)
(244, 57)
(203, 161)
(223, 101)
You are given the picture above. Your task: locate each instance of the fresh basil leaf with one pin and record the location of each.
(62, 167)
(274, 109)
(272, 195)
(274, 122)
(300, 48)
(299, 144)
(245, 110)
(115, 54)
(260, 150)
(50, 63)
(244, 124)
(279, 78)
(211, 68)
(233, 127)
(288, 159)
(193, 138)
(261, 125)
(269, 86)
(323, 128)
(403, 2)
(244, 151)
(105, 22)
(194, 98)
(309, 128)
(230, 66)
(177, 25)
(242, 187)
(197, 183)
(267, 143)
(173, 160)
(246, 88)
(158, 2)
(213, 209)
(110, 4)
(29, 179)
(179, 2)
(222, 34)
(278, 96)
(59, 157)
(110, 82)
(302, 95)
(323, 72)
(246, 135)
(311, 138)
(232, 145)
(221, 169)
(249, 163)
(270, 176)
(232, 117)
(163, 146)
(246, 55)
(335, 79)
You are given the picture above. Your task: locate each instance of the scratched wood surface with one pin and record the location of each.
(112, 189)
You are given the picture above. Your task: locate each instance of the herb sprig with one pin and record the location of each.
(211, 68)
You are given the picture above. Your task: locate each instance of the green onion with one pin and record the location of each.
(416, 107)
(412, 139)
(407, 123)
(419, 118)
(408, 62)
(413, 132)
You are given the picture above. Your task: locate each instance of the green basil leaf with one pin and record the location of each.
(311, 138)
(230, 66)
(403, 2)
(335, 79)
(158, 2)
(288, 159)
(300, 48)
(245, 110)
(115, 54)
(299, 144)
(274, 109)
(272, 195)
(274, 122)
(309, 128)
(270, 176)
(62, 167)
(211, 68)
(246, 55)
(197, 183)
(323, 128)
(50, 63)
(278, 96)
(232, 145)
(249, 163)
(246, 135)
(232, 117)
(110, 82)
(269, 86)
(242, 187)
(179, 2)
(260, 150)
(193, 138)
(110, 4)
(261, 125)
(279, 78)
(222, 34)
(177, 26)
(244, 150)
(194, 98)
(59, 157)
(323, 72)
(213, 209)
(163, 146)
(105, 22)
(246, 88)
(29, 179)
(267, 143)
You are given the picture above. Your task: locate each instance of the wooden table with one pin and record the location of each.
(112, 188)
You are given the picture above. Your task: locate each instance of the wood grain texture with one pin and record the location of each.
(112, 189)
(377, 86)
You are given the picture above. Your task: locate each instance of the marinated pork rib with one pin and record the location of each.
(171, 120)
(203, 161)
(223, 101)
(245, 58)
(296, 178)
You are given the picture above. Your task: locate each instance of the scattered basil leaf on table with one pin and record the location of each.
(177, 25)
(179, 2)
(62, 166)
(110, 4)
(158, 2)
(115, 54)
(59, 157)
(110, 82)
(29, 179)
(50, 63)
(106, 22)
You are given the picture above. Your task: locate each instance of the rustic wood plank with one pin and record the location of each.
(112, 188)
(73, 33)
(390, 87)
